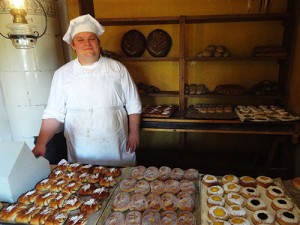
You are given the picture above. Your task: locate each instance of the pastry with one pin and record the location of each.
(177, 174)
(150, 216)
(186, 218)
(218, 213)
(236, 211)
(88, 168)
(28, 197)
(57, 174)
(215, 190)
(172, 186)
(87, 189)
(187, 186)
(282, 203)
(164, 172)
(239, 221)
(191, 174)
(74, 167)
(115, 218)
(169, 201)
(72, 203)
(275, 192)
(157, 187)
(231, 187)
(229, 178)
(168, 218)
(138, 172)
(209, 180)
(71, 176)
(100, 169)
(142, 187)
(63, 167)
(296, 182)
(154, 201)
(77, 219)
(71, 187)
(94, 178)
(185, 201)
(248, 192)
(25, 215)
(41, 216)
(234, 199)
(108, 182)
(247, 181)
(100, 193)
(285, 217)
(45, 198)
(213, 200)
(262, 217)
(90, 206)
(44, 185)
(264, 181)
(151, 173)
(254, 204)
(58, 201)
(121, 202)
(220, 222)
(114, 172)
(138, 202)
(58, 218)
(9, 213)
(83, 177)
(58, 185)
(128, 184)
(133, 218)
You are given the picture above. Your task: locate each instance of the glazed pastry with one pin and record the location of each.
(169, 201)
(138, 202)
(191, 174)
(83, 177)
(218, 213)
(138, 172)
(121, 202)
(282, 203)
(285, 217)
(100, 169)
(95, 178)
(236, 211)
(58, 218)
(185, 201)
(234, 199)
(63, 167)
(115, 218)
(58, 185)
(73, 203)
(41, 216)
(44, 185)
(74, 167)
(254, 204)
(57, 174)
(45, 198)
(154, 201)
(172, 186)
(58, 201)
(262, 217)
(114, 172)
(275, 192)
(108, 182)
(151, 173)
(247, 181)
(100, 193)
(248, 192)
(239, 221)
(214, 200)
(229, 178)
(231, 187)
(142, 187)
(187, 186)
(71, 176)
(209, 180)
(88, 168)
(128, 184)
(133, 218)
(177, 174)
(157, 187)
(90, 206)
(28, 197)
(87, 189)
(9, 213)
(25, 215)
(186, 218)
(264, 181)
(215, 190)
(71, 187)
(164, 172)
(77, 219)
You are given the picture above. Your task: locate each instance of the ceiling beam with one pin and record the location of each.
(86, 7)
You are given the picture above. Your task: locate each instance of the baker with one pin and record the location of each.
(96, 100)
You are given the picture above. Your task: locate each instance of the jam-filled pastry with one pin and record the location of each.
(191, 174)
(41, 216)
(215, 190)
(100, 193)
(177, 174)
(247, 181)
(187, 186)
(282, 203)
(87, 189)
(275, 192)
(90, 206)
(25, 215)
(151, 173)
(248, 192)
(28, 197)
(138, 172)
(254, 204)
(186, 218)
(114, 172)
(154, 201)
(133, 218)
(142, 187)
(172, 186)
(169, 201)
(209, 180)
(157, 187)
(77, 219)
(121, 202)
(229, 178)
(262, 217)
(286, 217)
(164, 172)
(138, 202)
(264, 181)
(115, 218)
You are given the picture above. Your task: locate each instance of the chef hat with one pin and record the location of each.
(85, 23)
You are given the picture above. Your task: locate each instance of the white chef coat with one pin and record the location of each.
(93, 102)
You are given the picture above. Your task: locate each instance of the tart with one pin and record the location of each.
(231, 187)
(218, 213)
(215, 190)
(262, 217)
(254, 204)
(239, 221)
(229, 178)
(248, 192)
(209, 180)
(234, 199)
(264, 181)
(214, 200)
(275, 192)
(236, 211)
(247, 181)
(285, 217)
(282, 203)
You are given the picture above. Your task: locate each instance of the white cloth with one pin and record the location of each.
(85, 23)
(93, 103)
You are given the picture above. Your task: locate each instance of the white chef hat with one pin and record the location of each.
(85, 23)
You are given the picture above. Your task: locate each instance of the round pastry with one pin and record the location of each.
(177, 174)
(58, 217)
(262, 217)
(169, 201)
(154, 201)
(172, 186)
(133, 218)
(74, 167)
(63, 167)
(115, 218)
(100, 169)
(185, 202)
(264, 181)
(191, 174)
(220, 222)
(215, 190)
(71, 176)
(121, 202)
(71, 187)
(95, 178)
(209, 180)
(150, 216)
(285, 217)
(28, 197)
(236, 211)
(282, 203)
(100, 193)
(57, 174)
(151, 173)
(88, 168)
(164, 172)
(239, 221)
(58, 185)
(247, 181)
(138, 172)
(254, 204)
(58, 201)
(90, 206)
(25, 215)
(77, 219)
(44, 185)
(138, 202)
(114, 172)
(218, 213)
(214, 200)
(72, 203)
(234, 199)
(9, 213)
(108, 182)
(87, 189)
(275, 192)
(142, 187)
(45, 198)
(157, 187)
(229, 178)
(231, 187)
(186, 218)
(128, 184)
(248, 192)
(168, 218)
(42, 215)
(187, 186)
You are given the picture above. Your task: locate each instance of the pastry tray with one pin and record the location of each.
(193, 113)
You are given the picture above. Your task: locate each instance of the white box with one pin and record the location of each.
(20, 170)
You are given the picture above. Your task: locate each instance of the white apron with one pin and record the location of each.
(96, 124)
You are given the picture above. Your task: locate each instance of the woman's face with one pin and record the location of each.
(87, 47)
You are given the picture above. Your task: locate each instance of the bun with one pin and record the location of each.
(73, 203)
(138, 172)
(58, 185)
(100, 193)
(133, 217)
(58, 217)
(90, 206)
(157, 187)
(74, 167)
(9, 213)
(100, 169)
(44, 185)
(169, 201)
(87, 189)
(185, 202)
(191, 174)
(45, 198)
(151, 173)
(27, 198)
(142, 187)
(172, 186)
(115, 218)
(57, 174)
(186, 217)
(121, 202)
(87, 168)
(58, 201)
(164, 172)
(177, 174)
(138, 202)
(71, 187)
(187, 186)
(150, 216)
(128, 184)
(154, 201)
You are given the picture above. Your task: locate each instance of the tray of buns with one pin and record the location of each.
(71, 192)
(211, 111)
(264, 113)
(158, 111)
(151, 195)
(246, 200)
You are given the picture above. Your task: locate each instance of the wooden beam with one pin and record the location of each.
(86, 7)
